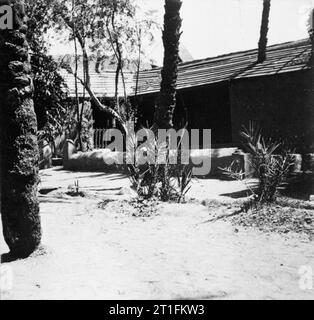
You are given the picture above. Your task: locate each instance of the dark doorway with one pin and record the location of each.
(208, 108)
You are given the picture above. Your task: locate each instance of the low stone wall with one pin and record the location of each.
(96, 160)
(223, 158)
(104, 160)
(308, 162)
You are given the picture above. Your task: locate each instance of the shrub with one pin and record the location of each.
(167, 191)
(143, 177)
(165, 182)
(270, 161)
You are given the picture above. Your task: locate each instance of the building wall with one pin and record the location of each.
(283, 105)
(206, 107)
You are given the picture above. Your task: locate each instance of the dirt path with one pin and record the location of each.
(89, 253)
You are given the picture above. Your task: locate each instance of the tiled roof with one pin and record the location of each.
(102, 84)
(286, 57)
(281, 58)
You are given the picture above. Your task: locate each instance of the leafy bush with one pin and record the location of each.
(50, 96)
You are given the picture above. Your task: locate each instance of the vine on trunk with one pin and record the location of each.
(19, 148)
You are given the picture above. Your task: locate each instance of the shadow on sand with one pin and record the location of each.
(237, 195)
(9, 257)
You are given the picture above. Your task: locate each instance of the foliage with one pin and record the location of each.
(86, 122)
(271, 168)
(157, 179)
(107, 29)
(161, 179)
(175, 179)
(184, 177)
(271, 165)
(49, 97)
(87, 128)
(144, 177)
(49, 86)
(167, 190)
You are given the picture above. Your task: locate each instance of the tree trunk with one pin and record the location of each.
(86, 83)
(311, 37)
(262, 45)
(166, 101)
(19, 148)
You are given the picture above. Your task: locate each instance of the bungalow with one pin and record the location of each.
(225, 92)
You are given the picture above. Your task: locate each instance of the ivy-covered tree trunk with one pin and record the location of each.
(166, 101)
(19, 149)
(262, 45)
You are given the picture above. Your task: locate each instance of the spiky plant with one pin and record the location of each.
(271, 165)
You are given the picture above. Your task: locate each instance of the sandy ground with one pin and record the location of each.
(89, 253)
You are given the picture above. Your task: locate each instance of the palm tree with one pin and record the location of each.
(166, 101)
(19, 149)
(262, 45)
(311, 36)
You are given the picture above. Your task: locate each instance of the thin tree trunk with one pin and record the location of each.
(117, 52)
(166, 101)
(138, 68)
(87, 83)
(116, 88)
(110, 111)
(77, 98)
(81, 41)
(311, 37)
(262, 45)
(19, 148)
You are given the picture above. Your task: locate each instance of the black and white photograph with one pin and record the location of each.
(156, 150)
